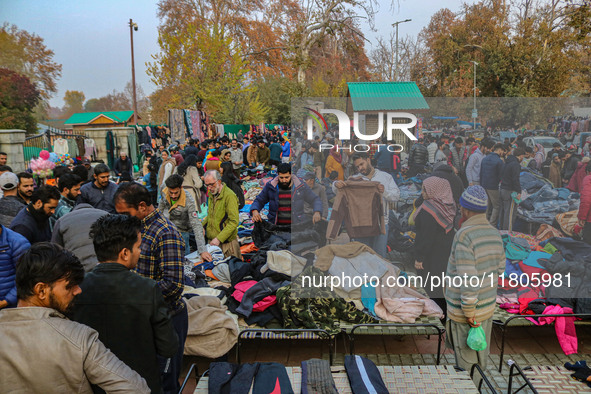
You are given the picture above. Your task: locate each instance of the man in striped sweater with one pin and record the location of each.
(477, 259)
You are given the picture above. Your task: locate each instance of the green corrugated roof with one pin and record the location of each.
(87, 117)
(386, 96)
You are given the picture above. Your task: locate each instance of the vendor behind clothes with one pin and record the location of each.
(318, 189)
(179, 207)
(282, 207)
(123, 165)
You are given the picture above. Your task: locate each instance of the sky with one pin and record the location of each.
(91, 38)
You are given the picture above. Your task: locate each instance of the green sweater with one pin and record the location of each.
(477, 250)
(222, 216)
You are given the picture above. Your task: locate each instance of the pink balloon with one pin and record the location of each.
(44, 154)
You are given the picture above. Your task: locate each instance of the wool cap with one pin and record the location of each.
(474, 199)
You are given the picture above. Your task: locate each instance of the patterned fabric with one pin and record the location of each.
(176, 122)
(304, 305)
(474, 199)
(439, 202)
(196, 125)
(477, 250)
(284, 210)
(161, 257)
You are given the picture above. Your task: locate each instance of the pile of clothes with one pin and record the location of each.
(543, 202)
(551, 276)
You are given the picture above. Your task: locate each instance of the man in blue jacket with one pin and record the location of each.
(286, 195)
(12, 245)
(491, 169)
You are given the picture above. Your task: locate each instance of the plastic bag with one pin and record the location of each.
(476, 338)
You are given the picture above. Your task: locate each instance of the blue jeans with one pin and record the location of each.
(378, 243)
(186, 235)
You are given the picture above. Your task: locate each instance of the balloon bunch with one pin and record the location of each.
(43, 166)
(64, 159)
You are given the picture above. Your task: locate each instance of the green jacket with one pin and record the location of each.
(222, 216)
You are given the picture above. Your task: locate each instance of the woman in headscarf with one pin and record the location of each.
(434, 228)
(334, 163)
(166, 168)
(192, 182)
(540, 156)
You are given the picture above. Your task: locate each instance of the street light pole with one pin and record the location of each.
(395, 24)
(474, 111)
(132, 27)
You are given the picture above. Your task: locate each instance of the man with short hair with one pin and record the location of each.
(192, 149)
(99, 193)
(236, 156)
(3, 158)
(162, 259)
(491, 168)
(318, 189)
(26, 185)
(387, 188)
(432, 149)
(127, 310)
(418, 157)
(474, 162)
(510, 184)
(457, 156)
(221, 222)
(275, 151)
(179, 207)
(263, 154)
(87, 164)
(286, 195)
(477, 252)
(32, 222)
(69, 187)
(123, 165)
(41, 351)
(10, 205)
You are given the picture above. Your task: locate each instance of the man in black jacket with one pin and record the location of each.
(509, 184)
(570, 165)
(127, 310)
(417, 158)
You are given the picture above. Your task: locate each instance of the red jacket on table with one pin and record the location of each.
(585, 206)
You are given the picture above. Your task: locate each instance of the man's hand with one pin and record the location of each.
(256, 217)
(455, 170)
(316, 218)
(340, 184)
(3, 304)
(581, 223)
(472, 323)
(205, 256)
(214, 242)
(381, 188)
(419, 265)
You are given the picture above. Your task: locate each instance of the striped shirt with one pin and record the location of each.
(477, 250)
(162, 257)
(284, 210)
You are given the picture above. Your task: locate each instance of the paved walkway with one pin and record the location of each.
(525, 345)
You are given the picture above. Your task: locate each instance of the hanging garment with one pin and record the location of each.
(60, 146)
(176, 122)
(90, 149)
(110, 144)
(204, 123)
(188, 124)
(196, 125)
(220, 130)
(80, 145)
(72, 147)
(133, 148)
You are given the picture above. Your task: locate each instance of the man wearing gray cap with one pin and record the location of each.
(10, 205)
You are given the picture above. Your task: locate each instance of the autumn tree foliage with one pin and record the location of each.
(18, 98)
(26, 54)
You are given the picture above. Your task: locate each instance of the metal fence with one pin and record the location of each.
(35, 144)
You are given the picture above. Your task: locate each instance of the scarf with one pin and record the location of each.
(336, 155)
(439, 202)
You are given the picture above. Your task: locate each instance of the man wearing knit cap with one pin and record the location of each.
(476, 253)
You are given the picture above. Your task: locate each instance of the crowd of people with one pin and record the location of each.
(68, 251)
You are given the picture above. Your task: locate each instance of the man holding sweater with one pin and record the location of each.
(477, 252)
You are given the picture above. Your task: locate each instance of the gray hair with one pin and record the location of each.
(213, 173)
